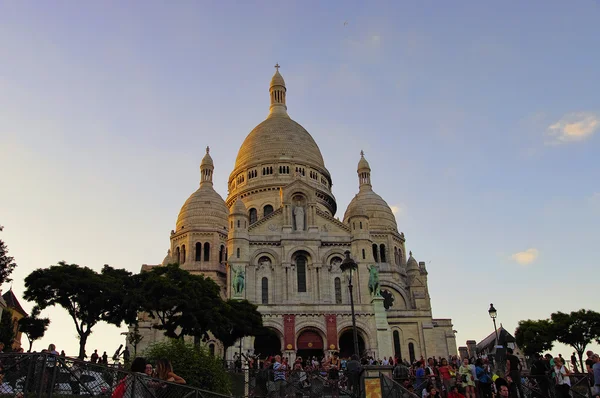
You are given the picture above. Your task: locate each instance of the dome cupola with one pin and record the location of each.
(380, 214)
(205, 208)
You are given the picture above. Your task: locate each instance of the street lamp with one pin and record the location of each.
(350, 265)
(493, 314)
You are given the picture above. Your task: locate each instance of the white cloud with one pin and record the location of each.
(573, 127)
(398, 209)
(526, 257)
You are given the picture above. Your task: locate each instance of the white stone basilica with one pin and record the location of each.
(275, 242)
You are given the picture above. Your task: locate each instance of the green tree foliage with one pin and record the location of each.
(33, 327)
(577, 329)
(184, 304)
(7, 329)
(238, 318)
(88, 296)
(7, 263)
(534, 337)
(193, 363)
(134, 338)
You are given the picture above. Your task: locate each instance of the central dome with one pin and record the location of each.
(276, 138)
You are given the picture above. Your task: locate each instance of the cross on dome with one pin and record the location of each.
(362, 153)
(207, 150)
(277, 66)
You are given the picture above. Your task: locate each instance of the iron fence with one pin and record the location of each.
(297, 383)
(544, 386)
(391, 388)
(47, 375)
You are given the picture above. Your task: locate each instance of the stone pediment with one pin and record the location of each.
(328, 224)
(298, 186)
(270, 224)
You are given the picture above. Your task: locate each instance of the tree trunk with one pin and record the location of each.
(583, 368)
(30, 345)
(82, 341)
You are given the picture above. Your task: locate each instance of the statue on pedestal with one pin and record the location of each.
(239, 277)
(374, 287)
(299, 218)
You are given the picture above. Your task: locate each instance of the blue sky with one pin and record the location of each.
(481, 123)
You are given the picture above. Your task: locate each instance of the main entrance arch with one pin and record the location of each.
(310, 344)
(347, 344)
(267, 344)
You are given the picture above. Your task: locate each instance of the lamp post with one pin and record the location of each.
(350, 265)
(493, 314)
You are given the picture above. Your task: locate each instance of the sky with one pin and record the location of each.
(481, 123)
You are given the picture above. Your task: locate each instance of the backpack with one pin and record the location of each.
(120, 389)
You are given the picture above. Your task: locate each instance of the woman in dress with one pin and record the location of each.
(466, 379)
(446, 374)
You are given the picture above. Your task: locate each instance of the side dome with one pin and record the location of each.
(380, 215)
(205, 208)
(379, 212)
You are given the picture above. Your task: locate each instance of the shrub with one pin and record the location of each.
(193, 363)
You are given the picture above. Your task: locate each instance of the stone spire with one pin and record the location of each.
(206, 169)
(364, 173)
(277, 91)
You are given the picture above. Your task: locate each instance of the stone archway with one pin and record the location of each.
(309, 344)
(347, 344)
(267, 344)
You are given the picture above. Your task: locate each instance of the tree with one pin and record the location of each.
(534, 337)
(184, 304)
(7, 330)
(88, 296)
(193, 363)
(577, 329)
(33, 327)
(134, 338)
(7, 263)
(238, 319)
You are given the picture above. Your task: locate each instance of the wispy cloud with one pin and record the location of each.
(398, 209)
(526, 257)
(573, 127)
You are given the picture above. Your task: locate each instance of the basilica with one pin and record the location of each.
(276, 241)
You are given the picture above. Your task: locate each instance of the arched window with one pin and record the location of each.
(265, 290)
(375, 252)
(198, 255)
(397, 351)
(253, 215)
(206, 251)
(338, 291)
(382, 250)
(411, 352)
(396, 256)
(268, 209)
(178, 255)
(400, 256)
(353, 225)
(183, 254)
(221, 254)
(360, 224)
(211, 349)
(364, 254)
(239, 223)
(301, 273)
(237, 252)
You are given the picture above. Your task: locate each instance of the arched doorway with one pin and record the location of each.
(267, 344)
(310, 344)
(347, 344)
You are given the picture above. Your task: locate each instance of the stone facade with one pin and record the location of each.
(275, 242)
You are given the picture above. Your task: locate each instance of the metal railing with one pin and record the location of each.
(544, 386)
(297, 383)
(47, 375)
(390, 388)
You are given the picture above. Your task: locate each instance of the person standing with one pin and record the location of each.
(94, 358)
(104, 358)
(563, 382)
(279, 369)
(467, 379)
(574, 363)
(596, 370)
(485, 381)
(513, 369)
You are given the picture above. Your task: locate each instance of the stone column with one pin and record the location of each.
(384, 336)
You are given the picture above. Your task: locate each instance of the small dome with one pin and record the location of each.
(277, 79)
(411, 263)
(207, 159)
(168, 259)
(205, 208)
(362, 163)
(379, 212)
(239, 208)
